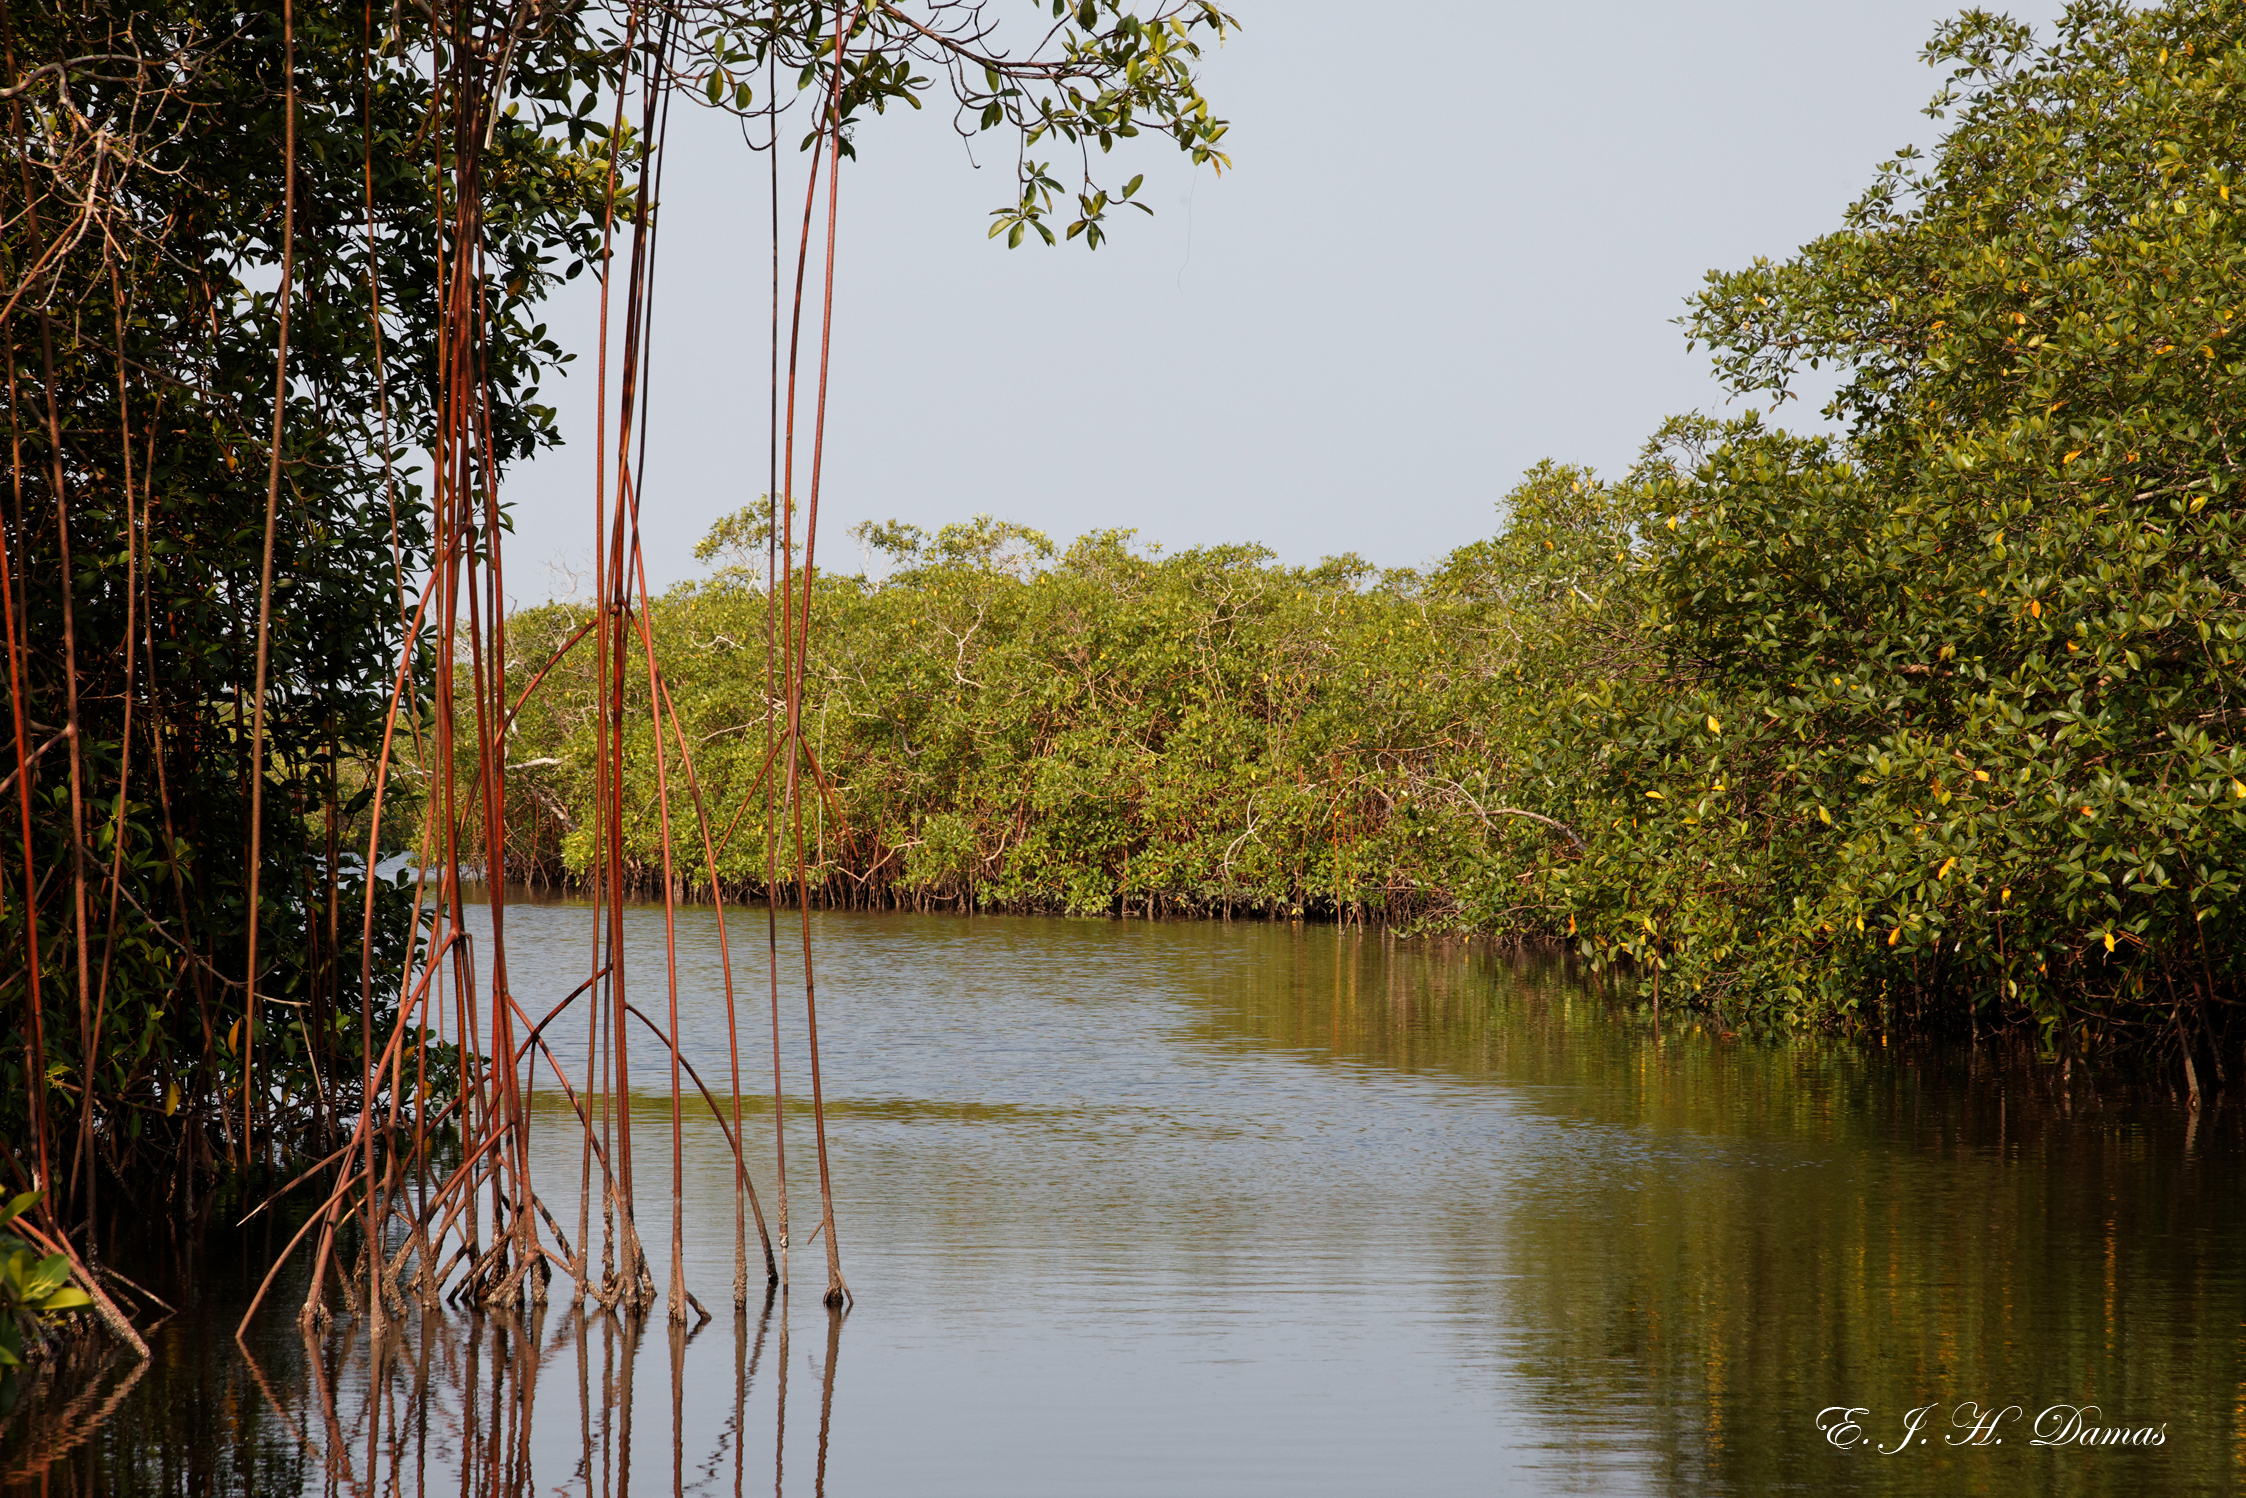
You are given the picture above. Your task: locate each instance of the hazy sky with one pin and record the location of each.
(1454, 241)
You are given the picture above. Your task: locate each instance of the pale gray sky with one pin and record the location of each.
(1454, 241)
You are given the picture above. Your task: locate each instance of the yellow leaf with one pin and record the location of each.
(2198, 503)
(1895, 936)
(2109, 941)
(2035, 607)
(1824, 816)
(1655, 796)
(171, 1099)
(2006, 897)
(1980, 774)
(1672, 522)
(1571, 925)
(2070, 457)
(1713, 725)
(2238, 789)
(1947, 865)
(2086, 811)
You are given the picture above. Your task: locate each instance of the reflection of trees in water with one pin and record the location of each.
(66, 1403)
(1724, 1306)
(1757, 1230)
(190, 1420)
(448, 1401)
(1702, 1242)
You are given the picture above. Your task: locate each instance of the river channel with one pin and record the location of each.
(1204, 1208)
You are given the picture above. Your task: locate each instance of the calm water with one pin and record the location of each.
(1141, 1208)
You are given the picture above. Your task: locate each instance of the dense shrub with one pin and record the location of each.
(1949, 724)
(1929, 721)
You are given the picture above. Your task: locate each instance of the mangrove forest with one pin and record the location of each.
(1914, 720)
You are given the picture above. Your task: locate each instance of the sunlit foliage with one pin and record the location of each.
(1949, 726)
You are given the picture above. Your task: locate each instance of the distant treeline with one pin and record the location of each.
(1110, 730)
(1932, 722)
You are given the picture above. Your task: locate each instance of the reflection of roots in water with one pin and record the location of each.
(49, 1435)
(445, 1396)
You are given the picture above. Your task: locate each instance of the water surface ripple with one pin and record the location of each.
(1206, 1208)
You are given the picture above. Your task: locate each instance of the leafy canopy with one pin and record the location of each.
(1950, 715)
